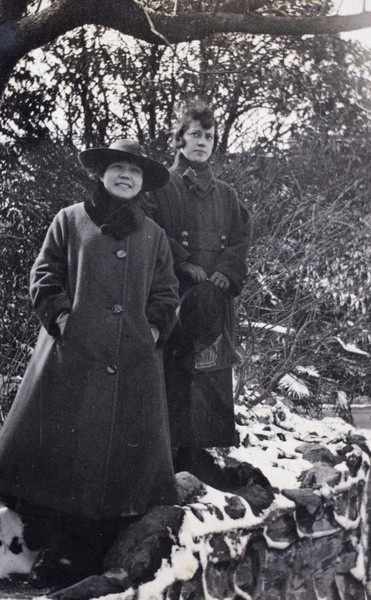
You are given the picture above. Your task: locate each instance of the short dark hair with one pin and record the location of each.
(196, 110)
(103, 166)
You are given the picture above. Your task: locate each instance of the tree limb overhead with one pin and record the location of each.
(21, 34)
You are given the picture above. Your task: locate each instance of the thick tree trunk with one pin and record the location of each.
(18, 37)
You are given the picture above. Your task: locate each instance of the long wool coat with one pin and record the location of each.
(88, 431)
(207, 225)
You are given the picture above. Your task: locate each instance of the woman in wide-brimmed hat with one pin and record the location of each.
(87, 441)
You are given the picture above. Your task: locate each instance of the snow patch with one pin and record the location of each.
(11, 534)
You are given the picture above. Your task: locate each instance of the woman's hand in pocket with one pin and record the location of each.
(155, 332)
(61, 321)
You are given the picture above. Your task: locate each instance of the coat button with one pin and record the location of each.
(112, 369)
(106, 229)
(117, 309)
(193, 188)
(121, 253)
(185, 243)
(184, 233)
(223, 238)
(222, 246)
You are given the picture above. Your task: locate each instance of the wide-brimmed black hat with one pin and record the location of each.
(155, 175)
(200, 319)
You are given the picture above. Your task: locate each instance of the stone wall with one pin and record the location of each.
(280, 517)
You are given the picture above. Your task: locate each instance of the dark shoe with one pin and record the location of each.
(55, 568)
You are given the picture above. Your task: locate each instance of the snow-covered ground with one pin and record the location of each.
(15, 557)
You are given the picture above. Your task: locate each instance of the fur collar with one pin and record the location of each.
(113, 216)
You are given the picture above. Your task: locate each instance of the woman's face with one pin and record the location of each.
(199, 142)
(123, 179)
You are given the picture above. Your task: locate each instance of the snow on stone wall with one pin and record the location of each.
(280, 517)
(310, 542)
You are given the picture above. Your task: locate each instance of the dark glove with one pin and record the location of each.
(194, 272)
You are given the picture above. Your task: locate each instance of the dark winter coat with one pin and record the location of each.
(88, 431)
(206, 225)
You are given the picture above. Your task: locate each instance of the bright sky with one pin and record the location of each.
(351, 7)
(362, 35)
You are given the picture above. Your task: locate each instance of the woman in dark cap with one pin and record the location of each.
(86, 442)
(208, 230)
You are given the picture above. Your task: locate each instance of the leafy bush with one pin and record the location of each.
(304, 312)
(37, 180)
(294, 142)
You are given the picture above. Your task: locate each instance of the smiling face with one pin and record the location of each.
(123, 179)
(199, 142)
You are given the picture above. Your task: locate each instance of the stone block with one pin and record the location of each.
(282, 530)
(141, 545)
(193, 588)
(348, 502)
(304, 497)
(304, 520)
(190, 488)
(325, 552)
(347, 557)
(354, 461)
(234, 507)
(354, 502)
(318, 453)
(173, 591)
(359, 440)
(278, 574)
(220, 547)
(320, 474)
(258, 497)
(300, 573)
(249, 567)
(219, 580)
(340, 503)
(324, 523)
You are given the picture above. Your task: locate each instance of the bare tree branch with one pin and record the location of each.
(18, 36)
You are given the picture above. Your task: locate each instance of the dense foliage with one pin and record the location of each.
(295, 143)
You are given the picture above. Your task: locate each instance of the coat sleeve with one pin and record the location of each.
(232, 262)
(49, 275)
(160, 211)
(163, 298)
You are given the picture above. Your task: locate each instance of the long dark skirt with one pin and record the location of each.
(201, 409)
